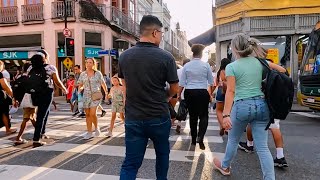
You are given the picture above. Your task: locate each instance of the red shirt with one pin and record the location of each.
(70, 84)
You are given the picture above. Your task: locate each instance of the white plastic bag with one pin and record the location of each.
(27, 101)
(13, 110)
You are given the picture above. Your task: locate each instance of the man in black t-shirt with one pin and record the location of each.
(144, 70)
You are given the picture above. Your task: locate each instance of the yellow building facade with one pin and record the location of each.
(279, 24)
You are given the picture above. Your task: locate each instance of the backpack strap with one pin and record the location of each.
(264, 63)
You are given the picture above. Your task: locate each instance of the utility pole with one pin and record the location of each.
(65, 14)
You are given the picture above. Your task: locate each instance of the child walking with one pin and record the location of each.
(117, 94)
(70, 84)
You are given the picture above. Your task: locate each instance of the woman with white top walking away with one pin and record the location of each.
(91, 81)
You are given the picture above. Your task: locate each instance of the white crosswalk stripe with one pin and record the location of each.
(28, 172)
(67, 132)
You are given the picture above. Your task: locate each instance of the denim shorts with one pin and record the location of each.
(220, 97)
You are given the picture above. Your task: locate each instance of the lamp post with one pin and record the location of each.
(120, 44)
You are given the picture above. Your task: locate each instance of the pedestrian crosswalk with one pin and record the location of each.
(71, 157)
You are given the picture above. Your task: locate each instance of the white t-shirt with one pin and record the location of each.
(6, 74)
(179, 72)
(50, 69)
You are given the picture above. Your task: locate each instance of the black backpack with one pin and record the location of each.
(18, 87)
(278, 89)
(37, 84)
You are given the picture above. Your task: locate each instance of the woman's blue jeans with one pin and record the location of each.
(253, 111)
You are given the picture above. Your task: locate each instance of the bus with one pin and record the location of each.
(308, 88)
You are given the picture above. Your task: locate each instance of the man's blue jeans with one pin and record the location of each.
(138, 132)
(253, 111)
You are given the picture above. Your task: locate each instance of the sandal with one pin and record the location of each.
(11, 131)
(19, 142)
(217, 166)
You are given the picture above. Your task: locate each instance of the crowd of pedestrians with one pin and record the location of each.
(142, 94)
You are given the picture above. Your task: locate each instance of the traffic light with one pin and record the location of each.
(69, 46)
(61, 49)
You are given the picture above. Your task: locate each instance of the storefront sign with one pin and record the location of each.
(273, 54)
(14, 55)
(60, 54)
(91, 52)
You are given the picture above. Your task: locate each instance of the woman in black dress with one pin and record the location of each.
(5, 91)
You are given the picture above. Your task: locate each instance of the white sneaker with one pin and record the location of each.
(88, 136)
(97, 132)
(109, 134)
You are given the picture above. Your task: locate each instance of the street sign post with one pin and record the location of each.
(67, 62)
(110, 52)
(67, 32)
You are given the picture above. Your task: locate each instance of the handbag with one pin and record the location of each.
(182, 111)
(95, 96)
(27, 101)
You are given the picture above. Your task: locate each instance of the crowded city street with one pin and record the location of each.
(70, 157)
(159, 89)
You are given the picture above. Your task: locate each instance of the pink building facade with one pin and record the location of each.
(29, 25)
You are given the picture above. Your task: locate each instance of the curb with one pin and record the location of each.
(295, 110)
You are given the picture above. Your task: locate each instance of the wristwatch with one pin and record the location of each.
(225, 116)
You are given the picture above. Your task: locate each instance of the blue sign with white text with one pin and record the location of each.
(12, 55)
(91, 52)
(104, 52)
(113, 52)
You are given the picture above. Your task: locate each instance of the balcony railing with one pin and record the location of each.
(272, 23)
(102, 8)
(175, 52)
(124, 22)
(307, 21)
(230, 28)
(9, 15)
(269, 25)
(32, 12)
(58, 9)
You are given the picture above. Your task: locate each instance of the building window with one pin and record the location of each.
(125, 6)
(33, 1)
(93, 39)
(7, 3)
(115, 3)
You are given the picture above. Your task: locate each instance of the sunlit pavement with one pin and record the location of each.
(68, 156)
